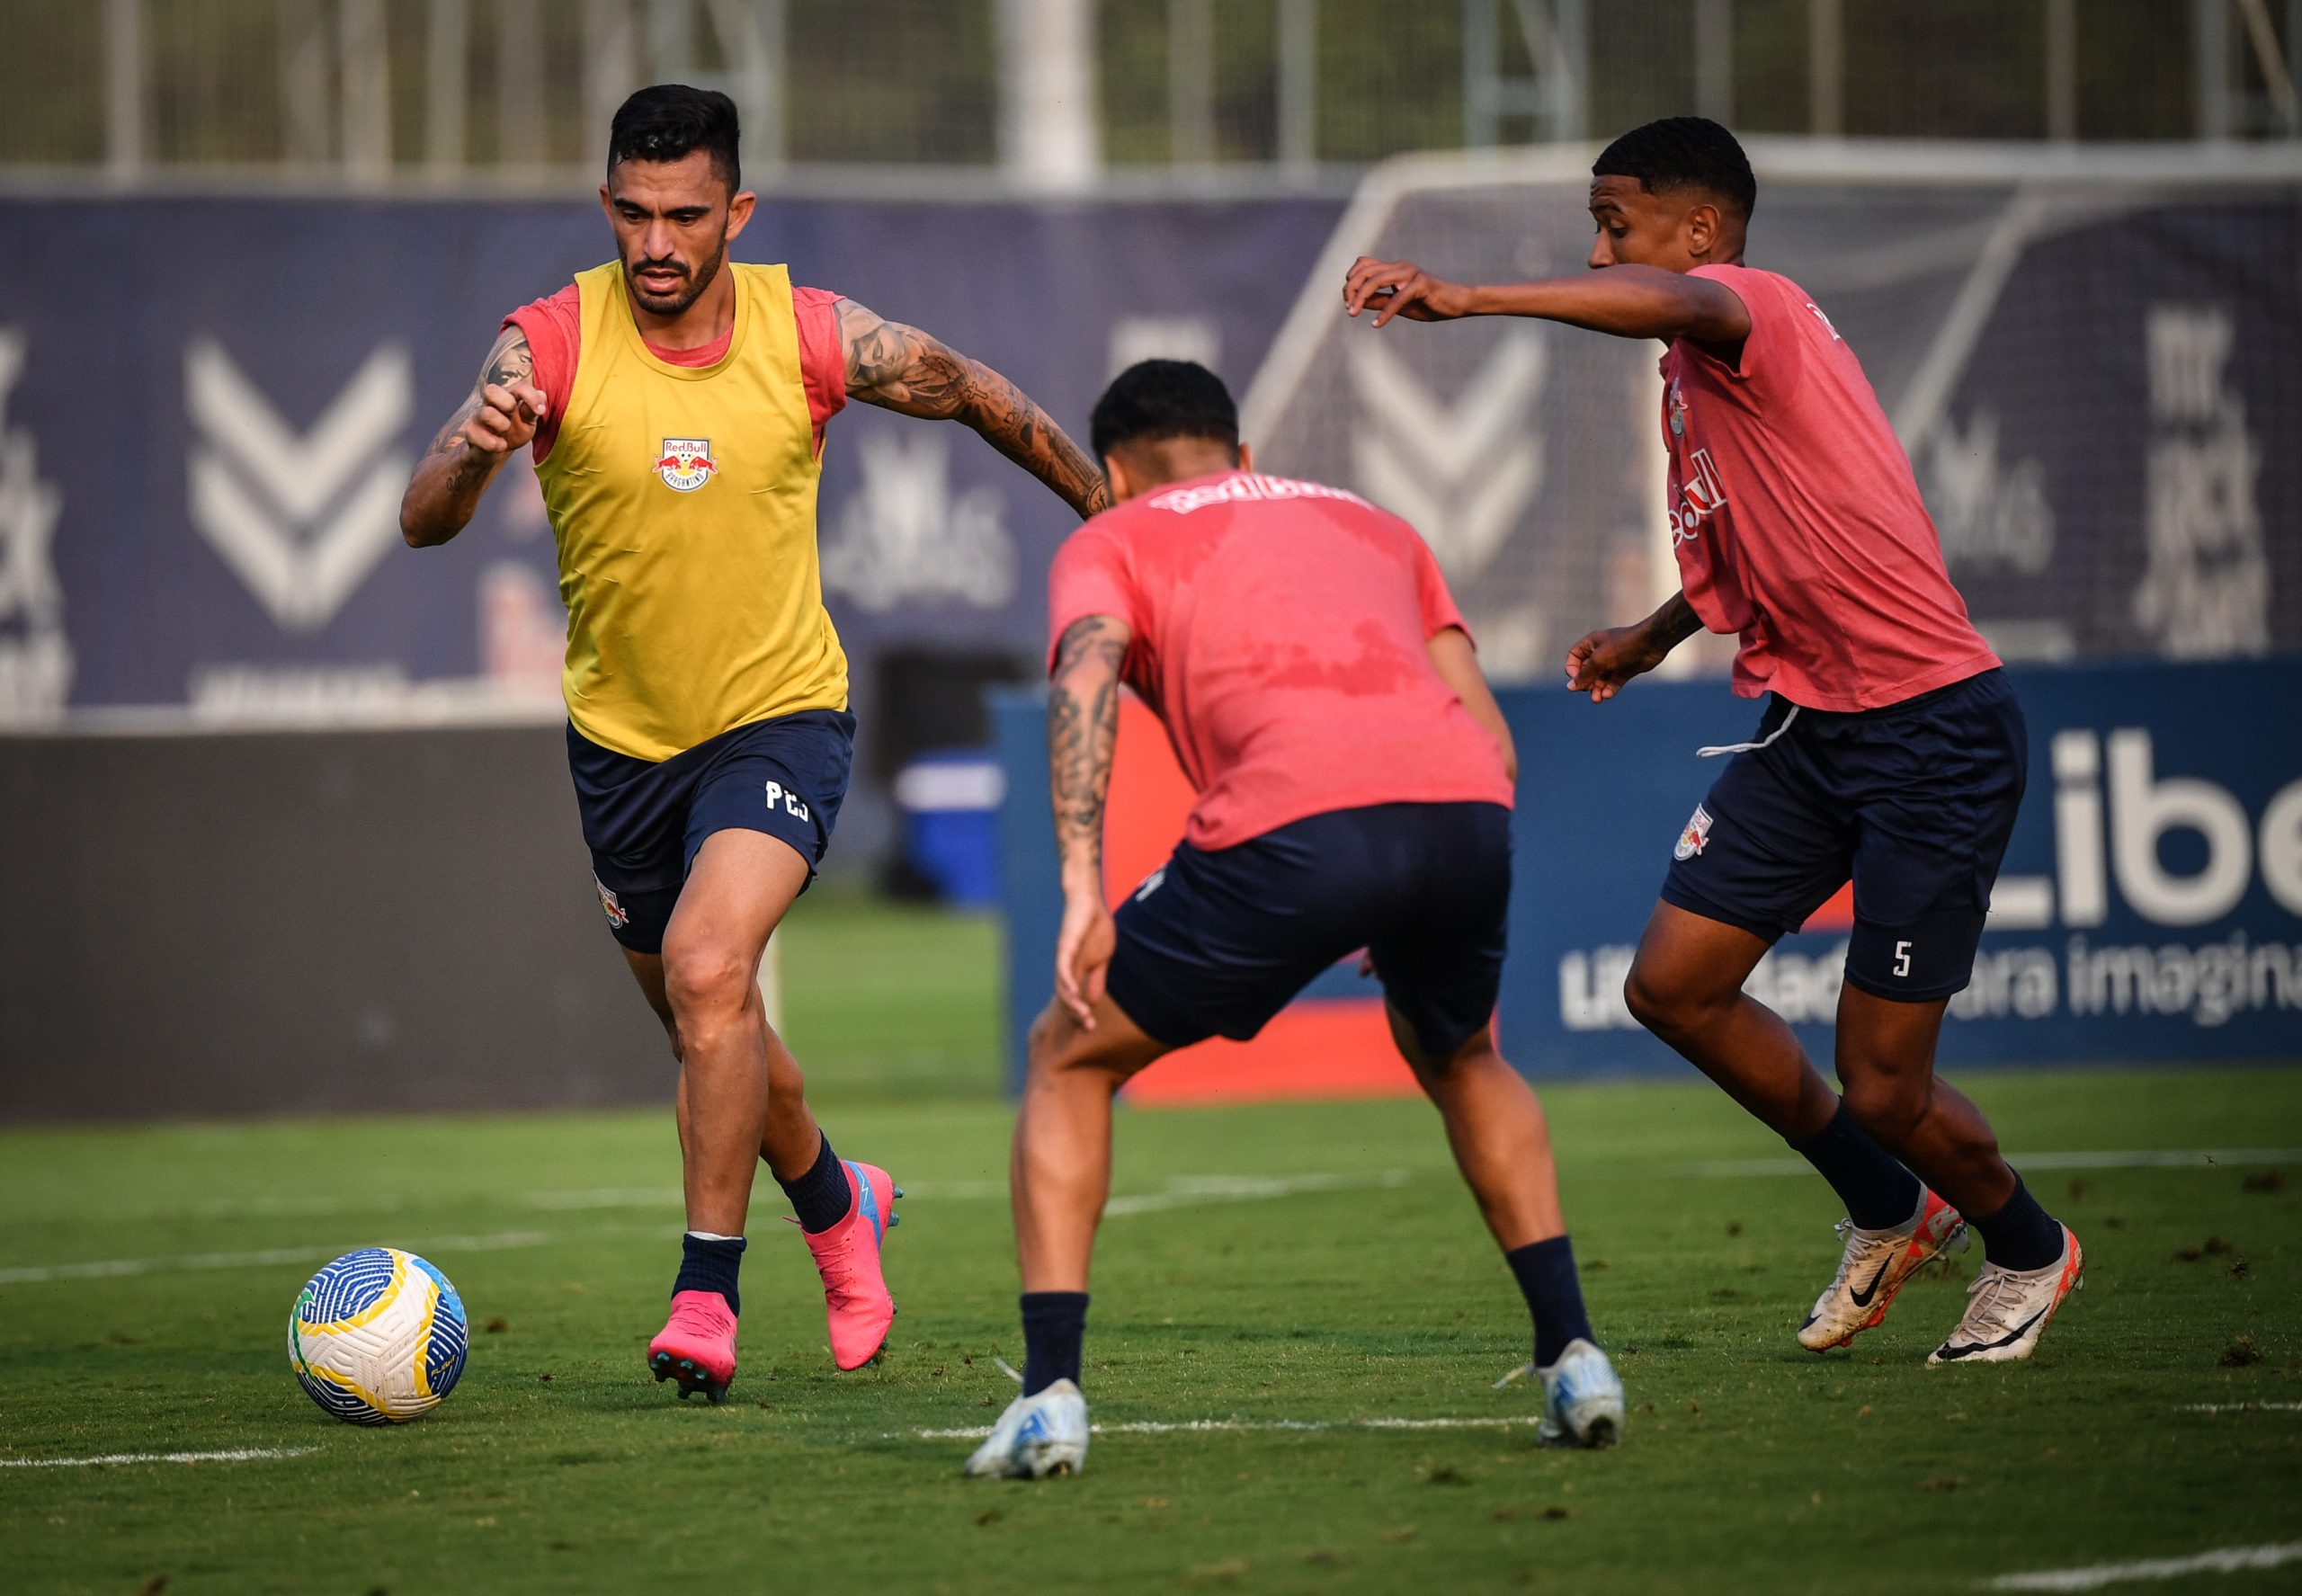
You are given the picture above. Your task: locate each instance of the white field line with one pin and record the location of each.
(2131, 1158)
(2242, 1407)
(1213, 1426)
(106, 1268)
(1182, 1193)
(2223, 1560)
(668, 1196)
(237, 1455)
(1190, 1191)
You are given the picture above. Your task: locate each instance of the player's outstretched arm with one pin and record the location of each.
(1605, 661)
(1628, 301)
(499, 415)
(900, 368)
(1082, 731)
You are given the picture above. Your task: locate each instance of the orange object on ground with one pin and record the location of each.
(1317, 1047)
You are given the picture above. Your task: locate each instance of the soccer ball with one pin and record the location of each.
(377, 1337)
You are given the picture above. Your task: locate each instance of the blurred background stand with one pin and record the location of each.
(2059, 233)
(1047, 96)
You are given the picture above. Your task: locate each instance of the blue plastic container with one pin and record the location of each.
(950, 803)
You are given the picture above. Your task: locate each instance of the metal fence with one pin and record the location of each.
(1066, 92)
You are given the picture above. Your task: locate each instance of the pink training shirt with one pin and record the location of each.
(555, 331)
(1280, 633)
(1796, 520)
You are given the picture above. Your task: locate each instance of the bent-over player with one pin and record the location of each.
(1891, 752)
(1354, 781)
(676, 403)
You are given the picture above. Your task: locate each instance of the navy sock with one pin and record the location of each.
(711, 1263)
(1554, 1293)
(1054, 1324)
(822, 1196)
(2021, 1234)
(1878, 1192)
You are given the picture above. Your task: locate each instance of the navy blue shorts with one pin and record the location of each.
(1914, 802)
(645, 821)
(1215, 944)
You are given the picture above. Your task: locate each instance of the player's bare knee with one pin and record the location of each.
(1048, 1036)
(708, 986)
(1887, 1109)
(1054, 1046)
(1672, 999)
(1059, 1047)
(1655, 1000)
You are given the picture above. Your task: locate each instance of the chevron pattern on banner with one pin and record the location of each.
(301, 518)
(1462, 474)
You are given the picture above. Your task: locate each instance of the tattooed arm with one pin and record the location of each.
(1081, 730)
(902, 368)
(499, 415)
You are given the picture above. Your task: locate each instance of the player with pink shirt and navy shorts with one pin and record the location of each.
(1892, 752)
(1354, 779)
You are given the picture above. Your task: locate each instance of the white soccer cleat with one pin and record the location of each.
(1582, 1399)
(1873, 1269)
(1036, 1437)
(2007, 1309)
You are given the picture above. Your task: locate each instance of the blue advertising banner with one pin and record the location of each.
(2150, 910)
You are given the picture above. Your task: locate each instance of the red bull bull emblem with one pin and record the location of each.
(617, 915)
(1697, 835)
(686, 464)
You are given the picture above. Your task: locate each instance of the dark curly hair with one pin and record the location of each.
(1683, 152)
(1153, 400)
(671, 121)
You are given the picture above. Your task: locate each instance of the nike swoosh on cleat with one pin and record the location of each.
(1951, 1354)
(1863, 1298)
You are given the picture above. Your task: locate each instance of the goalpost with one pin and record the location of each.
(2089, 352)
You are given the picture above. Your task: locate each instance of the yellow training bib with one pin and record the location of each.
(683, 500)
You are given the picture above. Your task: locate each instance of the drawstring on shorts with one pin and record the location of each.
(1750, 747)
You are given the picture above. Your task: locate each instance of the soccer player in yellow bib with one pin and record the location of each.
(675, 402)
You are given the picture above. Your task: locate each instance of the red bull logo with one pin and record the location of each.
(686, 464)
(1696, 836)
(617, 915)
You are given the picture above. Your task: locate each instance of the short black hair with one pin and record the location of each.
(1683, 152)
(1153, 400)
(671, 121)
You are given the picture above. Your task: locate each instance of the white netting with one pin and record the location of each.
(2086, 374)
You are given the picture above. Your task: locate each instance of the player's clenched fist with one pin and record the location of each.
(507, 418)
(1402, 288)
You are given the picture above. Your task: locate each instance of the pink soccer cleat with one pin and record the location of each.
(697, 1347)
(857, 1307)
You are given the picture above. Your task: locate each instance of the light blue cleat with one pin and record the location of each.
(1583, 1404)
(1036, 1437)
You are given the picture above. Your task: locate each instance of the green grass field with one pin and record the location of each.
(1286, 1265)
